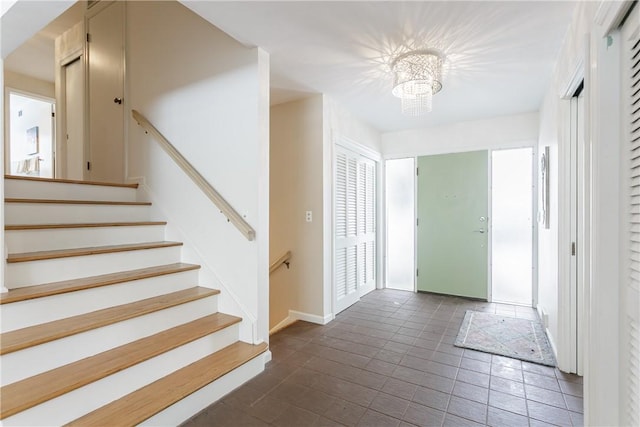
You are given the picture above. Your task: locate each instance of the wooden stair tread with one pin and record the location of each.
(39, 334)
(35, 390)
(76, 202)
(95, 250)
(70, 181)
(143, 403)
(81, 225)
(55, 288)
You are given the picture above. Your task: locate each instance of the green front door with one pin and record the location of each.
(452, 224)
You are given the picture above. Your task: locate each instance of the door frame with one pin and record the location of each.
(61, 114)
(573, 272)
(529, 144)
(351, 145)
(7, 125)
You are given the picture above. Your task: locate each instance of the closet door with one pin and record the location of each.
(630, 299)
(355, 227)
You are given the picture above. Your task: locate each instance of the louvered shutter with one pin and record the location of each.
(355, 226)
(630, 334)
(352, 197)
(341, 195)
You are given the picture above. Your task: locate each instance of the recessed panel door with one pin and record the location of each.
(106, 93)
(452, 227)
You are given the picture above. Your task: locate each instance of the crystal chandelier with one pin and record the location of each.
(417, 76)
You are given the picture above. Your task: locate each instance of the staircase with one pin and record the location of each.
(103, 324)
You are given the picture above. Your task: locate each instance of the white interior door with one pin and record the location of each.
(106, 89)
(74, 115)
(355, 227)
(629, 369)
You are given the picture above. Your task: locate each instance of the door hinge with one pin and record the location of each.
(573, 248)
(417, 171)
(53, 114)
(417, 222)
(417, 272)
(88, 38)
(88, 166)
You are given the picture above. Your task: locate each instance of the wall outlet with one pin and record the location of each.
(309, 216)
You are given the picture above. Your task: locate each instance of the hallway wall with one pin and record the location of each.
(518, 130)
(587, 52)
(296, 185)
(209, 96)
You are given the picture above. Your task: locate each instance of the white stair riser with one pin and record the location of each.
(44, 357)
(61, 191)
(29, 273)
(19, 241)
(52, 213)
(196, 402)
(92, 396)
(22, 314)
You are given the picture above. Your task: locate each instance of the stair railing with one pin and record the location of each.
(284, 259)
(225, 208)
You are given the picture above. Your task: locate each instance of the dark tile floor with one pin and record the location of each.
(389, 360)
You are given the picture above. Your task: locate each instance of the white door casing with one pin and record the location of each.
(74, 116)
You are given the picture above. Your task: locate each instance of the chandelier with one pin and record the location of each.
(417, 76)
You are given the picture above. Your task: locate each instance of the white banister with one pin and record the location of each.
(225, 208)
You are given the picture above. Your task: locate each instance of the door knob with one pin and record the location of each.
(117, 100)
(479, 231)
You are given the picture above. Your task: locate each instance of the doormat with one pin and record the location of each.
(506, 336)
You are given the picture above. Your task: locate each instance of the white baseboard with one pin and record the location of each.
(313, 318)
(544, 319)
(298, 315)
(281, 325)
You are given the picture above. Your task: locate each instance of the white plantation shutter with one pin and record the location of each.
(341, 272)
(352, 278)
(371, 199)
(352, 197)
(630, 334)
(355, 226)
(371, 261)
(341, 195)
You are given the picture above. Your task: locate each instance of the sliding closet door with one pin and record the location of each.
(355, 227)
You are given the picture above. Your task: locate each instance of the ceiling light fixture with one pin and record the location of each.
(417, 76)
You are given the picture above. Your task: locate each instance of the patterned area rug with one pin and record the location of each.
(506, 336)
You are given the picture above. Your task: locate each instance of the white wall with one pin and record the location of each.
(297, 187)
(29, 84)
(3, 248)
(587, 52)
(498, 132)
(208, 95)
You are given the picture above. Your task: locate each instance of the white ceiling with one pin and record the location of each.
(501, 54)
(36, 56)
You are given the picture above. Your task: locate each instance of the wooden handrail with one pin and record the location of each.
(284, 259)
(225, 208)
